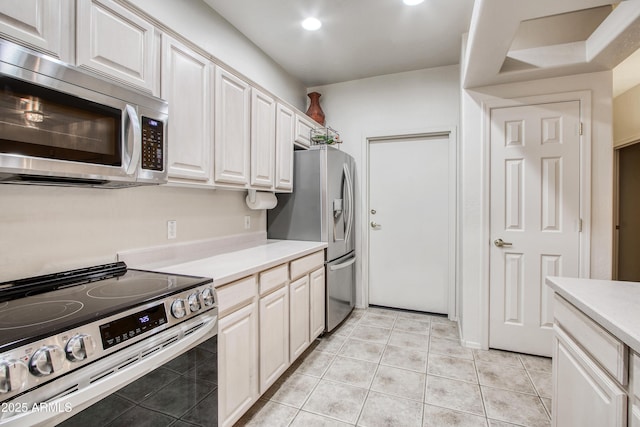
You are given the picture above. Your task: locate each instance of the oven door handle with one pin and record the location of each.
(133, 140)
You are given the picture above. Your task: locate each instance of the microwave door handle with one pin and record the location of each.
(134, 139)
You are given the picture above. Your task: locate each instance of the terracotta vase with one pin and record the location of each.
(315, 111)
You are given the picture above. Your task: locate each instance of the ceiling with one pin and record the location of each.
(364, 38)
(358, 38)
(549, 38)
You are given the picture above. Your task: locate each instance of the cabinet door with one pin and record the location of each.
(299, 316)
(274, 337)
(237, 363)
(583, 394)
(317, 291)
(285, 126)
(43, 25)
(232, 124)
(190, 128)
(113, 41)
(303, 130)
(263, 139)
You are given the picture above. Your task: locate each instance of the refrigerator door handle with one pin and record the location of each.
(343, 265)
(349, 211)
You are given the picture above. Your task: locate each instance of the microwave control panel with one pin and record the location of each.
(152, 144)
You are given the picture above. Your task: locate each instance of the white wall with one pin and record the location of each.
(474, 226)
(391, 104)
(50, 229)
(204, 27)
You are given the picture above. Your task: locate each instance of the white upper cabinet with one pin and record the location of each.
(190, 132)
(263, 139)
(115, 42)
(285, 128)
(232, 129)
(43, 25)
(303, 130)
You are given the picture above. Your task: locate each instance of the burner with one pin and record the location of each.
(129, 289)
(37, 313)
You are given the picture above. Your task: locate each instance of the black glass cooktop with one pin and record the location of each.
(38, 307)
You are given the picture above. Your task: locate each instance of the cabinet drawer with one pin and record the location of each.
(306, 264)
(273, 278)
(236, 294)
(604, 347)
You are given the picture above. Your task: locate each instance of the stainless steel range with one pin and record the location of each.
(122, 340)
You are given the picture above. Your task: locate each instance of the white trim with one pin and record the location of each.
(584, 97)
(454, 269)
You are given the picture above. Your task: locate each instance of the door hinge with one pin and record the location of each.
(580, 225)
(581, 129)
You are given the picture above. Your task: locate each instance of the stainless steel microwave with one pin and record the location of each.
(62, 126)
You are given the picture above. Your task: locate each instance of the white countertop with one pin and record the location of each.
(614, 305)
(227, 267)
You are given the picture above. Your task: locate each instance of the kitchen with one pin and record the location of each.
(45, 229)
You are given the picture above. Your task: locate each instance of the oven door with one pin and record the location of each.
(169, 377)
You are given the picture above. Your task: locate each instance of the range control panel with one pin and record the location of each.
(152, 144)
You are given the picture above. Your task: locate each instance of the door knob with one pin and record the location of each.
(374, 224)
(501, 243)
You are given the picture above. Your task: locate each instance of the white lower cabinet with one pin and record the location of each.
(591, 383)
(584, 395)
(266, 322)
(237, 350)
(274, 336)
(299, 316)
(237, 363)
(317, 302)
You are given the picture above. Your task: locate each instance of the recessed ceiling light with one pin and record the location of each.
(311, 24)
(412, 2)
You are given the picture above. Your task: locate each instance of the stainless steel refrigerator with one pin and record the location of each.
(322, 208)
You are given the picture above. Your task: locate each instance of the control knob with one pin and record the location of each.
(178, 308)
(207, 297)
(80, 347)
(46, 360)
(194, 301)
(13, 375)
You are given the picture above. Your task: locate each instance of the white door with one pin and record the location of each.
(535, 211)
(410, 217)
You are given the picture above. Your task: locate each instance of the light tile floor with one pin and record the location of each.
(386, 367)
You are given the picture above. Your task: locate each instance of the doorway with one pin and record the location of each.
(412, 222)
(628, 222)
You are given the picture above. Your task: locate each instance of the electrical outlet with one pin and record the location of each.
(247, 222)
(172, 229)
